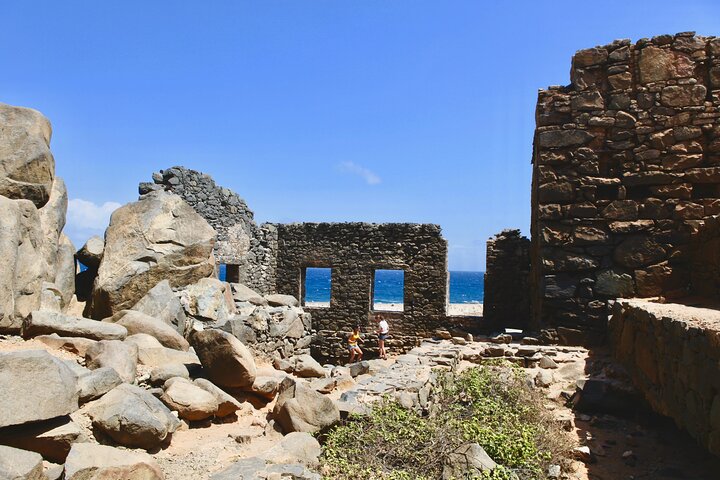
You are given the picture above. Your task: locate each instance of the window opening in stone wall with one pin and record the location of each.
(388, 290)
(317, 287)
(229, 273)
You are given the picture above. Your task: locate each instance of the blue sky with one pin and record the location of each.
(419, 111)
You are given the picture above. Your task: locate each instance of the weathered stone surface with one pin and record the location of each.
(300, 409)
(156, 238)
(227, 405)
(133, 417)
(77, 345)
(161, 303)
(466, 461)
(27, 167)
(295, 447)
(35, 386)
(614, 284)
(89, 461)
(209, 299)
(97, 383)
(52, 438)
(683, 95)
(306, 366)
(152, 354)
(638, 252)
(120, 356)
(227, 361)
(266, 386)
(138, 322)
(46, 323)
(64, 279)
(160, 374)
(91, 253)
(189, 400)
(278, 300)
(563, 138)
(242, 293)
(256, 467)
(16, 464)
(659, 64)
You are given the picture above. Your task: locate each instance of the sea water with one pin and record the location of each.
(465, 287)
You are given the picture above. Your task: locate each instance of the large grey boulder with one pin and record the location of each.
(159, 356)
(227, 362)
(64, 279)
(137, 322)
(209, 299)
(24, 269)
(78, 345)
(91, 253)
(97, 383)
(189, 400)
(279, 300)
(132, 417)
(301, 409)
(295, 447)
(16, 464)
(52, 221)
(227, 404)
(156, 238)
(161, 374)
(305, 366)
(51, 438)
(46, 323)
(467, 461)
(162, 303)
(120, 356)
(88, 461)
(35, 386)
(27, 168)
(242, 293)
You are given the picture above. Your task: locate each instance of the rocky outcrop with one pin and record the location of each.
(89, 461)
(162, 303)
(208, 300)
(159, 237)
(300, 409)
(227, 362)
(132, 417)
(35, 386)
(27, 168)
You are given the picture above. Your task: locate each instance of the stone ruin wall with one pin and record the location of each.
(626, 169)
(354, 251)
(248, 250)
(507, 281)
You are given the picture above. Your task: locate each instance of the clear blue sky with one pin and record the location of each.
(312, 110)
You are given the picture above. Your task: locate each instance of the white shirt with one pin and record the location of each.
(384, 328)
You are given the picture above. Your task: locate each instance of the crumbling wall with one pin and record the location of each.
(246, 249)
(672, 353)
(507, 280)
(626, 167)
(354, 251)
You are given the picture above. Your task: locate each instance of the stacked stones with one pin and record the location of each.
(354, 251)
(507, 280)
(247, 249)
(626, 169)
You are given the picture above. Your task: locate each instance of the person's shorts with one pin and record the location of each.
(352, 348)
(383, 336)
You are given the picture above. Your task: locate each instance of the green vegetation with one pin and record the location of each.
(488, 405)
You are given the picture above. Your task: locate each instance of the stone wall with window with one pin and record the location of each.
(626, 169)
(354, 251)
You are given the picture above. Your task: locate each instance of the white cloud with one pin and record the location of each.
(85, 219)
(350, 167)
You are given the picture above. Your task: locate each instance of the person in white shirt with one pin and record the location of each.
(382, 331)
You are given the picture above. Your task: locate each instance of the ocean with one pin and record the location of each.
(465, 287)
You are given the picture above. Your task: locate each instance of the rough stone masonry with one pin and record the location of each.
(626, 169)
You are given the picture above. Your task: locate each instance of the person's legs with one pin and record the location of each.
(360, 353)
(352, 355)
(381, 344)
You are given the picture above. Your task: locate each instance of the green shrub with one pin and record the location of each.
(488, 405)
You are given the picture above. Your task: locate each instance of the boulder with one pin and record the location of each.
(27, 168)
(16, 464)
(159, 356)
(45, 323)
(279, 300)
(301, 409)
(91, 253)
(160, 374)
(156, 238)
(295, 447)
(137, 322)
(121, 356)
(97, 383)
(291, 325)
(266, 386)
(209, 299)
(306, 366)
(52, 221)
(162, 303)
(35, 386)
(64, 279)
(78, 345)
(189, 400)
(24, 270)
(227, 362)
(242, 293)
(359, 368)
(132, 417)
(88, 461)
(227, 405)
(256, 468)
(51, 438)
(467, 461)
